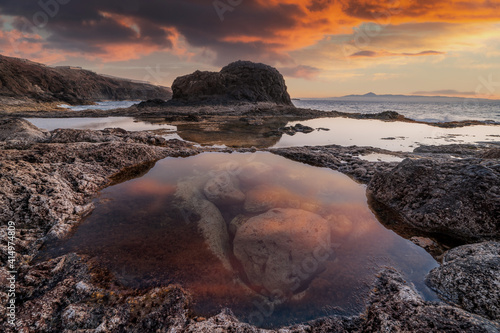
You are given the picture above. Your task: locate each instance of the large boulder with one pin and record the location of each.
(274, 247)
(238, 82)
(460, 199)
(470, 278)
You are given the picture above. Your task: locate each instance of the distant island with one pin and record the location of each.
(372, 97)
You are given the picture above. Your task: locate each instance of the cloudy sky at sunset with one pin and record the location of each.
(323, 47)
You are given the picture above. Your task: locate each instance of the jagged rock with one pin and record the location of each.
(470, 278)
(238, 82)
(459, 199)
(273, 246)
(397, 307)
(298, 128)
(21, 130)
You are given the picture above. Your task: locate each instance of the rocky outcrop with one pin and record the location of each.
(21, 78)
(458, 199)
(273, 246)
(397, 307)
(470, 277)
(238, 82)
(21, 130)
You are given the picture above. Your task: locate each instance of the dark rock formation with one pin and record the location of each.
(397, 307)
(458, 199)
(291, 130)
(470, 278)
(238, 82)
(344, 159)
(21, 78)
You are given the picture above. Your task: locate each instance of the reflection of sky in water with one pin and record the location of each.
(395, 136)
(126, 123)
(140, 232)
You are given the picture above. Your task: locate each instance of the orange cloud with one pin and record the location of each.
(31, 46)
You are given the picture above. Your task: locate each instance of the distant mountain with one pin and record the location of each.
(24, 79)
(372, 97)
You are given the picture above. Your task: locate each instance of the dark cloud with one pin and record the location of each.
(85, 26)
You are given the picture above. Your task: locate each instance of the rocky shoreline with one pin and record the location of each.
(49, 180)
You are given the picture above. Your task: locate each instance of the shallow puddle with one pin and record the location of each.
(394, 136)
(126, 123)
(276, 241)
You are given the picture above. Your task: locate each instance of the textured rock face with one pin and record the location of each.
(470, 278)
(238, 82)
(21, 79)
(396, 307)
(459, 199)
(20, 129)
(273, 246)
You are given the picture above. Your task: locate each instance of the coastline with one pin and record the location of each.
(51, 178)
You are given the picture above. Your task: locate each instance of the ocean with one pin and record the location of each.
(438, 111)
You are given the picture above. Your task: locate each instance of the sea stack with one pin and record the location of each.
(240, 82)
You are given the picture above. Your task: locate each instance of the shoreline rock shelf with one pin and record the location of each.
(49, 179)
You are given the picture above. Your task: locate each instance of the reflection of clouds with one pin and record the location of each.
(359, 132)
(126, 123)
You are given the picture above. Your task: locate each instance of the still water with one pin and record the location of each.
(276, 241)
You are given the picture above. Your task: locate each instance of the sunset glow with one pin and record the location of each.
(324, 48)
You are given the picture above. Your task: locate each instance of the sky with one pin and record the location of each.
(324, 48)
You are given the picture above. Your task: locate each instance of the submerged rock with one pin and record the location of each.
(470, 278)
(208, 217)
(238, 82)
(223, 189)
(276, 246)
(458, 199)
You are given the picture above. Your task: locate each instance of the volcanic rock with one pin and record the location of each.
(21, 78)
(238, 82)
(459, 199)
(470, 278)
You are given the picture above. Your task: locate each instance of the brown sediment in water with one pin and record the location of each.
(139, 232)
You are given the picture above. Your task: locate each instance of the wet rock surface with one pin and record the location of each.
(343, 159)
(238, 82)
(396, 307)
(47, 187)
(470, 278)
(459, 199)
